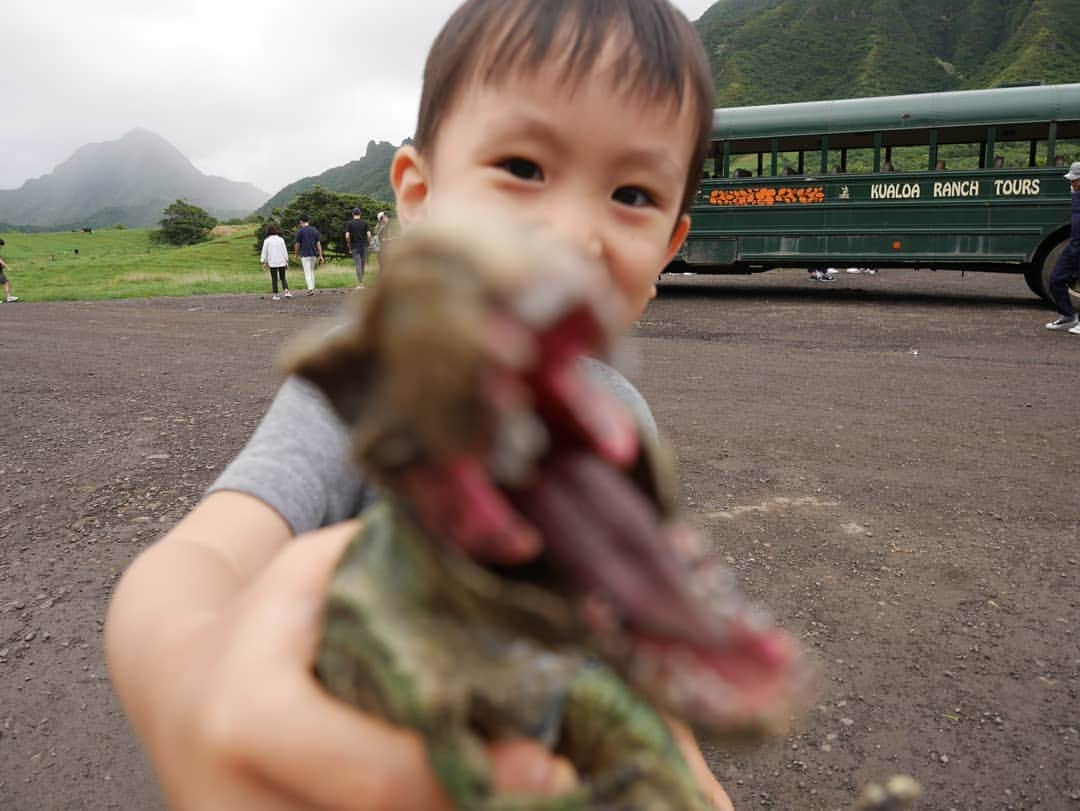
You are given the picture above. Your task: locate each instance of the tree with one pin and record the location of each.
(326, 210)
(184, 224)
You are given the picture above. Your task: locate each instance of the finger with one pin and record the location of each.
(706, 780)
(290, 731)
(527, 767)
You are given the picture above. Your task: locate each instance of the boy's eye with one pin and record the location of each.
(523, 168)
(632, 196)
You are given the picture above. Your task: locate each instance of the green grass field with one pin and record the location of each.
(115, 264)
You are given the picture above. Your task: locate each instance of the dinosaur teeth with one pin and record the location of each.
(539, 306)
(521, 439)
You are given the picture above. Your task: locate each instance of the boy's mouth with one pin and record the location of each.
(473, 406)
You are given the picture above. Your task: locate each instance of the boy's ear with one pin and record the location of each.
(678, 236)
(409, 179)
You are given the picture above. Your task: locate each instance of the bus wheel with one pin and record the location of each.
(1040, 282)
(1033, 277)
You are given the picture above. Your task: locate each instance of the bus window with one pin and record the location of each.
(790, 163)
(1018, 154)
(961, 156)
(860, 161)
(908, 158)
(1068, 149)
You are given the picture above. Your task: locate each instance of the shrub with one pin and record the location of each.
(184, 224)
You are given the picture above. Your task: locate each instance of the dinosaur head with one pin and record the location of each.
(461, 377)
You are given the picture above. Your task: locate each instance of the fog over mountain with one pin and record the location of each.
(128, 181)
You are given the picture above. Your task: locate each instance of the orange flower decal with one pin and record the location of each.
(767, 196)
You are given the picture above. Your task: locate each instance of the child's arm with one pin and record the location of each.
(210, 638)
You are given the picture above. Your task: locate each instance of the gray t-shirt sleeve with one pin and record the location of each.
(298, 459)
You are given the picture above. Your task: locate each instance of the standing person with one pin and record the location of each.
(212, 631)
(308, 248)
(1067, 270)
(4, 280)
(382, 226)
(356, 237)
(275, 258)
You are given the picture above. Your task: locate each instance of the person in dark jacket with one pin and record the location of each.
(1066, 273)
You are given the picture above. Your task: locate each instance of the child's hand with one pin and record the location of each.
(226, 702)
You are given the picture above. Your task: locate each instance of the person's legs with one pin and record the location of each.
(1065, 273)
(284, 283)
(308, 264)
(358, 261)
(273, 279)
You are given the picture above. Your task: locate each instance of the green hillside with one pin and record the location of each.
(370, 175)
(773, 51)
(124, 263)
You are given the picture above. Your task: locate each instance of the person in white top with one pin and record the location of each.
(275, 258)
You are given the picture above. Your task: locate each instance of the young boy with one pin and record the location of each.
(586, 120)
(4, 280)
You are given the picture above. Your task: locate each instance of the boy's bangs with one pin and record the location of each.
(577, 35)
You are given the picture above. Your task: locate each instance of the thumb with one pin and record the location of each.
(522, 766)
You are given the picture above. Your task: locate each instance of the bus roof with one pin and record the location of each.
(1000, 105)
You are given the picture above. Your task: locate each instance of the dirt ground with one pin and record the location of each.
(888, 462)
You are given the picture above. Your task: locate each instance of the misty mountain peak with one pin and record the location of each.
(129, 180)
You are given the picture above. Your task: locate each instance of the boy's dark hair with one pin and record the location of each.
(661, 58)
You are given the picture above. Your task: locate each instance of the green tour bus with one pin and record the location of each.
(966, 180)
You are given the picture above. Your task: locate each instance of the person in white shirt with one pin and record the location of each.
(275, 258)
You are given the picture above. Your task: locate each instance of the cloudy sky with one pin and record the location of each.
(265, 92)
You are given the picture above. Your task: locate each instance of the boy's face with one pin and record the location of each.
(592, 165)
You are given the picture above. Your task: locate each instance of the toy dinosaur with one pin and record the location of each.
(523, 571)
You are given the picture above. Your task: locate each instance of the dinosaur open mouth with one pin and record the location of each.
(679, 631)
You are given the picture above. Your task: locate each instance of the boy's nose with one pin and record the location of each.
(579, 228)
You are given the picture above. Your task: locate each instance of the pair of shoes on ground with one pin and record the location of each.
(276, 297)
(868, 271)
(1063, 323)
(822, 275)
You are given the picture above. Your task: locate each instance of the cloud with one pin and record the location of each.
(263, 92)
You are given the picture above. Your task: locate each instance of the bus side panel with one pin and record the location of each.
(915, 219)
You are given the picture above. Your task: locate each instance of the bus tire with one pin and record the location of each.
(1041, 285)
(1033, 277)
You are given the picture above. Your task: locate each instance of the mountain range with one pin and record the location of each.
(369, 175)
(761, 52)
(127, 181)
(774, 51)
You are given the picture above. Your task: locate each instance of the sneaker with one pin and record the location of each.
(310, 292)
(1064, 323)
(816, 275)
(276, 297)
(12, 298)
(288, 294)
(1075, 330)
